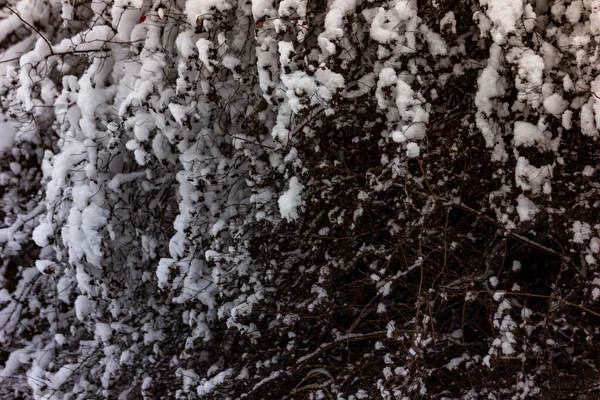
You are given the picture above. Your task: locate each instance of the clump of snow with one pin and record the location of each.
(588, 171)
(527, 134)
(586, 116)
(448, 22)
(529, 177)
(60, 339)
(529, 17)
(455, 362)
(260, 9)
(595, 245)
(437, 45)
(413, 150)
(204, 46)
(582, 231)
(493, 281)
(103, 331)
(62, 375)
(595, 17)
(125, 15)
(555, 104)
(42, 233)
(574, 11)
(8, 131)
(504, 14)
(219, 226)
(526, 208)
(530, 77)
(490, 85)
(334, 23)
(516, 266)
(291, 200)
(83, 307)
(45, 266)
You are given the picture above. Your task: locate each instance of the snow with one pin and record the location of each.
(595, 245)
(595, 17)
(219, 226)
(126, 14)
(290, 7)
(202, 12)
(489, 86)
(186, 45)
(93, 219)
(455, 362)
(204, 46)
(83, 307)
(505, 15)
(567, 119)
(555, 104)
(62, 375)
(530, 77)
(588, 171)
(290, 200)
(582, 231)
(60, 339)
(529, 177)
(516, 266)
(8, 26)
(45, 266)
(527, 135)
(448, 20)
(103, 331)
(412, 150)
(587, 123)
(125, 357)
(207, 386)
(8, 131)
(526, 208)
(119, 179)
(493, 281)
(261, 9)
(574, 11)
(42, 233)
(384, 24)
(437, 45)
(194, 132)
(529, 17)
(507, 348)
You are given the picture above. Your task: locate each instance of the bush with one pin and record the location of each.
(291, 199)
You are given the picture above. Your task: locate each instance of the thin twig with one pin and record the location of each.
(33, 28)
(426, 181)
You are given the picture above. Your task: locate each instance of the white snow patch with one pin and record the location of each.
(291, 200)
(413, 150)
(555, 104)
(516, 266)
(83, 307)
(527, 134)
(44, 266)
(41, 233)
(588, 171)
(582, 231)
(526, 208)
(504, 14)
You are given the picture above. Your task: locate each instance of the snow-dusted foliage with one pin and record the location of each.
(299, 199)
